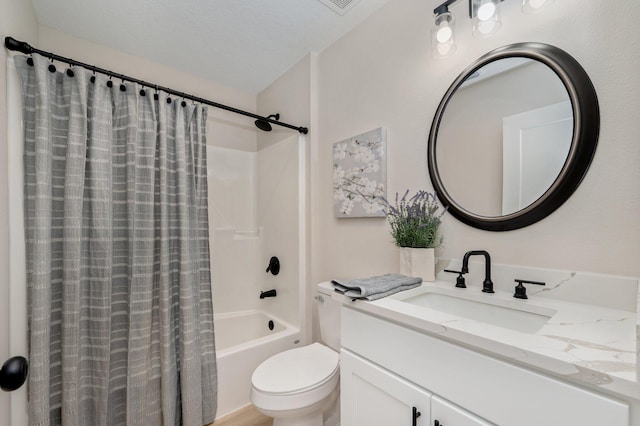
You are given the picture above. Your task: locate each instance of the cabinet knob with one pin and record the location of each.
(415, 416)
(437, 423)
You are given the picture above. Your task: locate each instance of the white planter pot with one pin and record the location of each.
(418, 262)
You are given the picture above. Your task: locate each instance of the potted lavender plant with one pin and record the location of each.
(415, 224)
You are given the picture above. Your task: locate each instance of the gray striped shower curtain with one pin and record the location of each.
(118, 272)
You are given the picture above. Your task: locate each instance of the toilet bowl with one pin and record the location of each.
(299, 387)
(296, 386)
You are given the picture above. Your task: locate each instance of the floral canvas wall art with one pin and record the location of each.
(360, 175)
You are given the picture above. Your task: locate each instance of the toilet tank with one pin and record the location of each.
(328, 316)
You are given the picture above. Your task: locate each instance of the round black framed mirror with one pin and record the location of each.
(513, 136)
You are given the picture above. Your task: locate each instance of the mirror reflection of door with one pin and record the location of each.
(469, 149)
(535, 146)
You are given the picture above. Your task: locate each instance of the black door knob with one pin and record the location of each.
(13, 373)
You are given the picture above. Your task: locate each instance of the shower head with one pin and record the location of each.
(265, 125)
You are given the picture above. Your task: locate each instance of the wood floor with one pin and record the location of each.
(247, 416)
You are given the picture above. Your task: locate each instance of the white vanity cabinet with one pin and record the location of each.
(444, 413)
(373, 396)
(390, 367)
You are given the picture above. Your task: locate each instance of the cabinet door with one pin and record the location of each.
(445, 413)
(373, 396)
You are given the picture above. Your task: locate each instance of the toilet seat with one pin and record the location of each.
(296, 371)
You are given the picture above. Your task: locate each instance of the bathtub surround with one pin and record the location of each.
(253, 217)
(118, 272)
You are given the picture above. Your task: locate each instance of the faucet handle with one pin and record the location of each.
(460, 283)
(521, 290)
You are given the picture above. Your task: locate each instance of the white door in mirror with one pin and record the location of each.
(535, 146)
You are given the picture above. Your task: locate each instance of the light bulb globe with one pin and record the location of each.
(444, 34)
(486, 11)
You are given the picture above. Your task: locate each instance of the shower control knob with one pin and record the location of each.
(274, 266)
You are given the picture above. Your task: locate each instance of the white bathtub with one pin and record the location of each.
(243, 341)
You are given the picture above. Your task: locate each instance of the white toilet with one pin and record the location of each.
(299, 387)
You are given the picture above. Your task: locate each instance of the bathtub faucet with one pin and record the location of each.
(268, 293)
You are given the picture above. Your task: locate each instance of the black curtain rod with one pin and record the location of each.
(21, 46)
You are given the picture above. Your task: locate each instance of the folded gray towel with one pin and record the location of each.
(373, 288)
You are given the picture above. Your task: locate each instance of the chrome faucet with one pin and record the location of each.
(487, 284)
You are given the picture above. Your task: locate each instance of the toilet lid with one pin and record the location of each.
(296, 370)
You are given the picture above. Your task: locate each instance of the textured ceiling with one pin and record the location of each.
(245, 44)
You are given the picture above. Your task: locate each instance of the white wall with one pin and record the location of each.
(383, 74)
(291, 96)
(17, 20)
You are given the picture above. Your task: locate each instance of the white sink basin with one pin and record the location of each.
(514, 315)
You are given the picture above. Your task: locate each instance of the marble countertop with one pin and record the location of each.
(583, 343)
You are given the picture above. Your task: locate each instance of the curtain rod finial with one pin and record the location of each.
(20, 46)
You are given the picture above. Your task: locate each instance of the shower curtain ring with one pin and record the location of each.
(52, 68)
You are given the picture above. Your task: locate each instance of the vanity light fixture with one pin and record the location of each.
(442, 35)
(485, 15)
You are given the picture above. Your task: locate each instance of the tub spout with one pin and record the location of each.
(268, 293)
